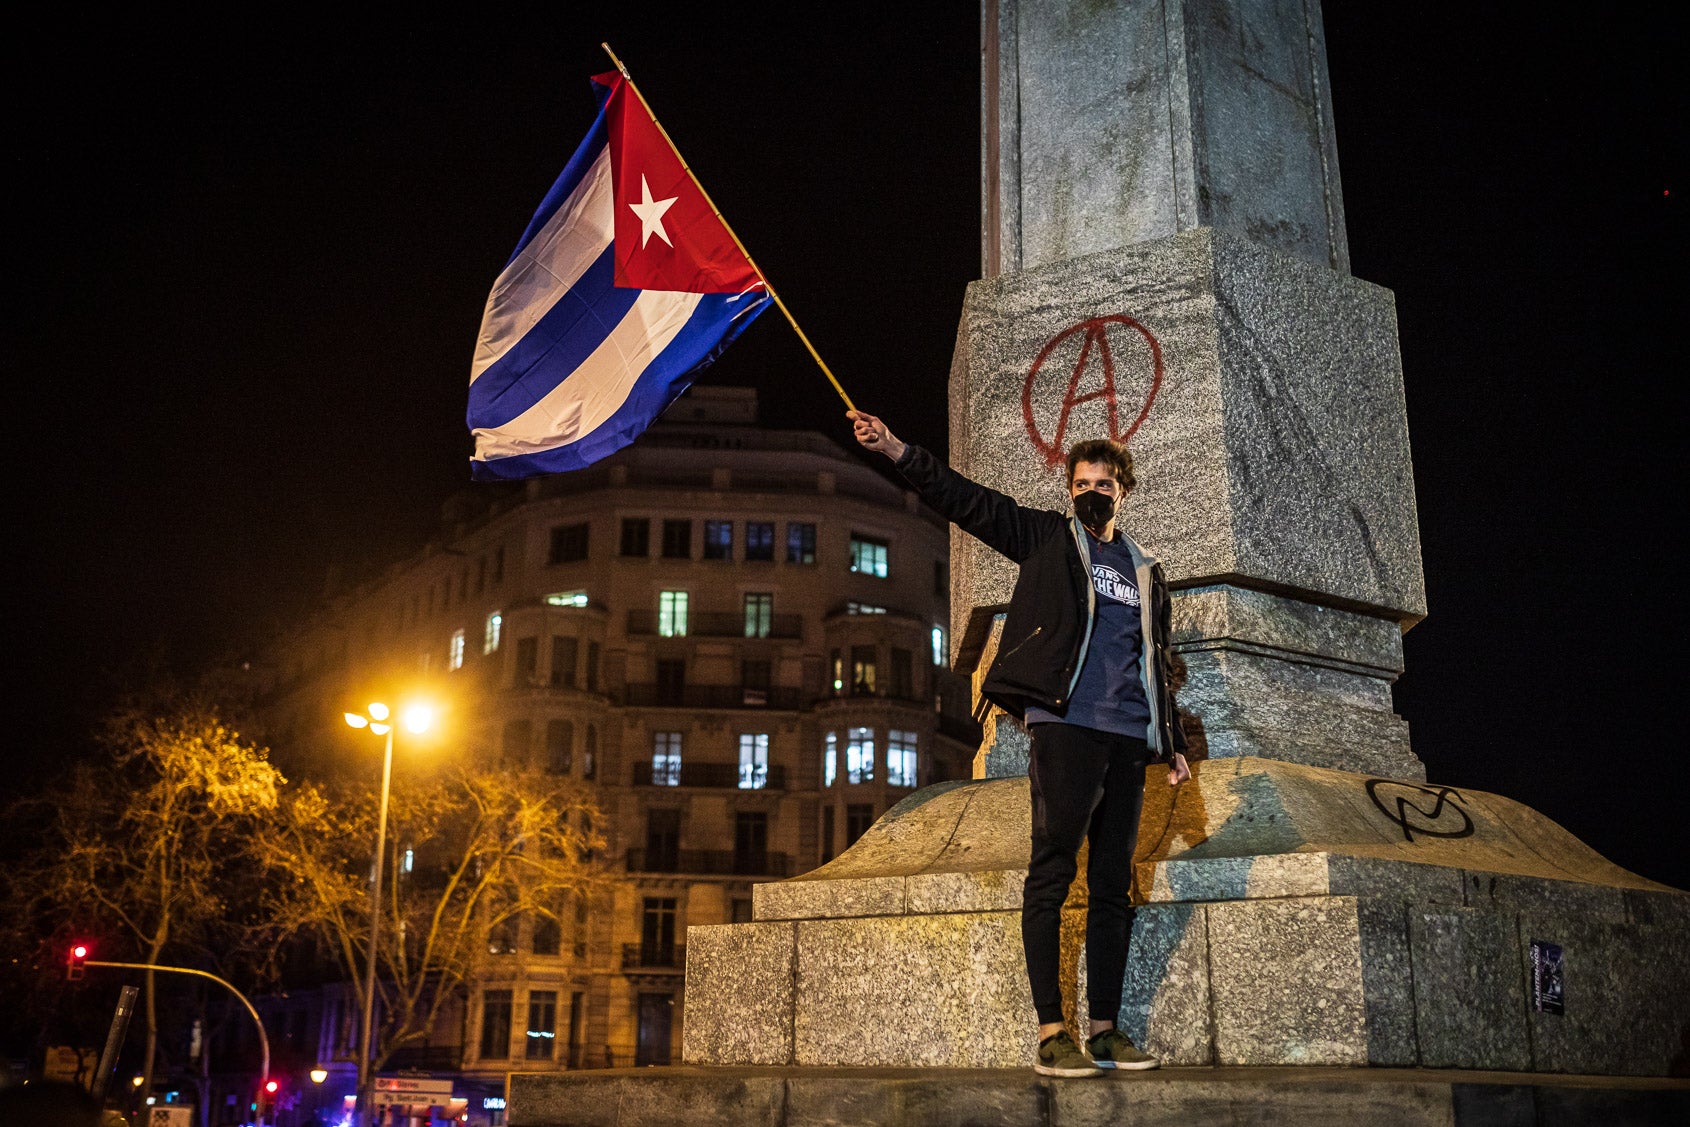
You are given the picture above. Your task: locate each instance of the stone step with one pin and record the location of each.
(1176, 1097)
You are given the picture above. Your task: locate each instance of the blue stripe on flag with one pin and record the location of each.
(558, 344)
(714, 324)
(570, 178)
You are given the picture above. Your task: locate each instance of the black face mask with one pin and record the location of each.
(1094, 509)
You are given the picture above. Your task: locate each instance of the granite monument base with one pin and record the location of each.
(1290, 915)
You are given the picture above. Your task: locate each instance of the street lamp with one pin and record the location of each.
(418, 719)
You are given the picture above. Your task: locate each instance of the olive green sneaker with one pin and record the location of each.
(1059, 1056)
(1114, 1049)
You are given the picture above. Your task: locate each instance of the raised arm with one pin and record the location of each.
(996, 519)
(876, 435)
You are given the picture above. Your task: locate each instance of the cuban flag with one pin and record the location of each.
(625, 283)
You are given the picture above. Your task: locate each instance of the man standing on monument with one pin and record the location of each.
(1084, 662)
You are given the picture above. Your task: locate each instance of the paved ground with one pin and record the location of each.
(1187, 1097)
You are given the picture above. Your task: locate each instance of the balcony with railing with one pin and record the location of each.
(723, 776)
(662, 695)
(654, 958)
(722, 624)
(710, 862)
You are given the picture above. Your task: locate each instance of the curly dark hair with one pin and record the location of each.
(1109, 452)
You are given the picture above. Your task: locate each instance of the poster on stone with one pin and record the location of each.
(1548, 996)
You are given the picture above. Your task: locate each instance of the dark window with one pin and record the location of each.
(542, 1024)
(501, 938)
(718, 539)
(657, 932)
(858, 818)
(863, 670)
(903, 677)
(569, 543)
(527, 662)
(564, 656)
(499, 564)
(560, 746)
(636, 536)
(577, 1026)
(759, 614)
(671, 680)
(677, 539)
(751, 842)
(592, 667)
(480, 575)
(495, 1024)
(548, 936)
(827, 834)
(941, 578)
(868, 555)
(655, 1030)
(513, 748)
(662, 841)
(739, 911)
(759, 540)
(463, 584)
(801, 543)
(756, 674)
(590, 754)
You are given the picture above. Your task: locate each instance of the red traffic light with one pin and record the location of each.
(80, 951)
(272, 1087)
(78, 956)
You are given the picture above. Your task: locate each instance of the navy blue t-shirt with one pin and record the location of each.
(1109, 695)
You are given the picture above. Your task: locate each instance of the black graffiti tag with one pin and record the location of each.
(1415, 818)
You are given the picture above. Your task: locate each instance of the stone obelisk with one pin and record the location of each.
(1164, 261)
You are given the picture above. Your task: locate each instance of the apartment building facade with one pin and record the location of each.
(735, 635)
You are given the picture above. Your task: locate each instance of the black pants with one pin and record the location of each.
(1087, 785)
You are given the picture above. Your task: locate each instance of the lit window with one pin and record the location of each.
(941, 651)
(718, 539)
(666, 759)
(409, 864)
(672, 614)
(801, 543)
(455, 652)
(830, 760)
(900, 758)
(859, 755)
(863, 608)
(868, 555)
(838, 679)
(759, 540)
(759, 615)
(864, 667)
(567, 599)
(495, 625)
(753, 761)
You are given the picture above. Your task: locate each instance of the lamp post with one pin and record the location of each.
(378, 721)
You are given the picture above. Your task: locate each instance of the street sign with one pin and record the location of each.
(413, 1086)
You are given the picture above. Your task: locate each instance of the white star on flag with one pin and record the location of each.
(651, 212)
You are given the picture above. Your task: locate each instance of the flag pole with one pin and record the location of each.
(779, 304)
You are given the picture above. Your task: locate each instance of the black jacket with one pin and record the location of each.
(1048, 627)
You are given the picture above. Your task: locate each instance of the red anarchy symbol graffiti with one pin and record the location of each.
(1096, 341)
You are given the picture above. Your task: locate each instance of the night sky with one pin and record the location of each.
(249, 262)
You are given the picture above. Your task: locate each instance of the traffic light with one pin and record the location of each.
(78, 959)
(267, 1101)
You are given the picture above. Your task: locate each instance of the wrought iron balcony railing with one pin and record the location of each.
(710, 862)
(721, 624)
(725, 776)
